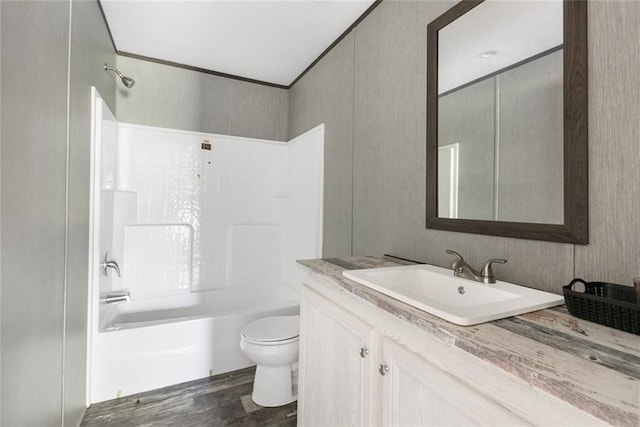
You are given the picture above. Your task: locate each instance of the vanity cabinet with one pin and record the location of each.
(334, 363)
(416, 393)
(361, 365)
(353, 374)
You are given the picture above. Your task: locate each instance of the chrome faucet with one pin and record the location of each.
(115, 298)
(107, 264)
(462, 269)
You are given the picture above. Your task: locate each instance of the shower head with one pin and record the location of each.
(127, 81)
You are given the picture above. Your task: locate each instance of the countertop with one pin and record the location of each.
(590, 366)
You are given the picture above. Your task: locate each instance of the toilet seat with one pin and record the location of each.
(277, 330)
(270, 343)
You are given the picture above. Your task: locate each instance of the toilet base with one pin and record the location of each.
(273, 386)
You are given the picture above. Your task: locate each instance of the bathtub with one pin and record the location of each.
(148, 344)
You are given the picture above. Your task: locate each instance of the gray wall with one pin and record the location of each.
(90, 49)
(614, 144)
(389, 132)
(0, 214)
(176, 98)
(44, 256)
(388, 146)
(34, 89)
(325, 95)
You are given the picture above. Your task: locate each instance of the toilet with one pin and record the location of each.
(272, 344)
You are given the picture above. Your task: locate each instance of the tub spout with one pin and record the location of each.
(115, 298)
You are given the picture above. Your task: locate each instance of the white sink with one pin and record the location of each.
(461, 301)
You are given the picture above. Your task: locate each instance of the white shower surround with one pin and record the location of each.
(206, 241)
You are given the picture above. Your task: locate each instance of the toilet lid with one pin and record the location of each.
(276, 328)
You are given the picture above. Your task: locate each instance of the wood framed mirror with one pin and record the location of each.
(507, 143)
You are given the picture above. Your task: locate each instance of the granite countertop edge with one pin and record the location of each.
(575, 338)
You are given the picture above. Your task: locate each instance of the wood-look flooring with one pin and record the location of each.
(222, 400)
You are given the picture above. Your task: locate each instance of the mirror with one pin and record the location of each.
(507, 120)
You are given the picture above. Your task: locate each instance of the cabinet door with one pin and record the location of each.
(413, 392)
(334, 356)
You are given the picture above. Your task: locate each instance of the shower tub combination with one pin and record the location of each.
(205, 230)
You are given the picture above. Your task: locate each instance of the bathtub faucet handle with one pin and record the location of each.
(107, 264)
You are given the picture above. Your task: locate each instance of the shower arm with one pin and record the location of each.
(115, 70)
(127, 81)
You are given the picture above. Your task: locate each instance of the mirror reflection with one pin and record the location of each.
(501, 114)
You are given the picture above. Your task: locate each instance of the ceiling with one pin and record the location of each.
(266, 40)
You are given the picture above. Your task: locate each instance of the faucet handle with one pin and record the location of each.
(455, 264)
(106, 264)
(487, 270)
(450, 252)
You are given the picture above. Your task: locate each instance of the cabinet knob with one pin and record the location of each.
(363, 352)
(383, 369)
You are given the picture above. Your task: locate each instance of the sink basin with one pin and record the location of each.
(461, 301)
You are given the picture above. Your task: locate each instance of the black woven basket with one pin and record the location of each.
(612, 305)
